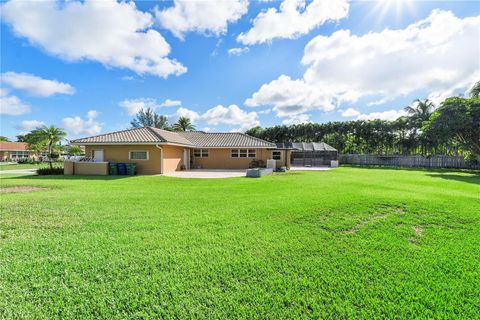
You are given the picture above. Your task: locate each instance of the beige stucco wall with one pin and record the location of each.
(89, 168)
(172, 159)
(114, 153)
(222, 159)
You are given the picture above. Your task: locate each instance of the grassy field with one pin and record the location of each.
(21, 166)
(350, 243)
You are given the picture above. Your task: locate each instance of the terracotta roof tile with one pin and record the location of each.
(198, 139)
(13, 146)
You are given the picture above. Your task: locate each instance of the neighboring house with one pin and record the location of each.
(157, 151)
(15, 151)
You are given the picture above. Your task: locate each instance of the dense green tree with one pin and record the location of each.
(2, 138)
(73, 150)
(183, 124)
(457, 120)
(148, 118)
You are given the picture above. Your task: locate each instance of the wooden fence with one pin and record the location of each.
(440, 161)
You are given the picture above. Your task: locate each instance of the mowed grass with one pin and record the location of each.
(18, 166)
(350, 243)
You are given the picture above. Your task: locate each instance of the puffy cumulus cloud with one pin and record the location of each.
(385, 115)
(29, 125)
(427, 55)
(133, 106)
(231, 115)
(350, 112)
(113, 33)
(291, 97)
(200, 16)
(76, 126)
(297, 119)
(12, 105)
(238, 51)
(171, 103)
(293, 19)
(35, 85)
(184, 112)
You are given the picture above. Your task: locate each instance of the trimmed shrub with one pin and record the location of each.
(48, 171)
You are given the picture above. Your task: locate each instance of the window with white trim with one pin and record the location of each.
(244, 153)
(19, 154)
(138, 155)
(276, 155)
(200, 153)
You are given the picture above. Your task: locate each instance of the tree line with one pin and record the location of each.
(452, 129)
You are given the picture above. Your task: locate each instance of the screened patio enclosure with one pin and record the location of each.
(310, 154)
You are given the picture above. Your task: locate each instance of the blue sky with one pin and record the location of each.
(316, 61)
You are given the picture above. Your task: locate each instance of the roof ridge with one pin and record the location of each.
(113, 132)
(151, 129)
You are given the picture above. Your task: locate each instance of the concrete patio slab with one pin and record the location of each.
(207, 174)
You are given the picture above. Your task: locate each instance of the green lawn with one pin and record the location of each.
(350, 243)
(22, 166)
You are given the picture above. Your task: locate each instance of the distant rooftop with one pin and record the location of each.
(13, 146)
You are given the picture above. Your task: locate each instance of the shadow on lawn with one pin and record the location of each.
(475, 179)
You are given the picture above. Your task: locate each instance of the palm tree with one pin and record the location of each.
(183, 124)
(419, 114)
(421, 111)
(48, 137)
(475, 91)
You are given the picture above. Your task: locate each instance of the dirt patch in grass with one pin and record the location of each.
(418, 233)
(388, 211)
(20, 189)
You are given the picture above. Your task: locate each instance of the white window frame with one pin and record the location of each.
(130, 155)
(248, 155)
(203, 153)
(276, 151)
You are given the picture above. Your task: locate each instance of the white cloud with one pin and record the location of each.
(428, 55)
(231, 115)
(29, 125)
(12, 105)
(201, 16)
(238, 51)
(293, 19)
(171, 103)
(76, 126)
(35, 85)
(113, 33)
(350, 112)
(291, 97)
(297, 119)
(385, 115)
(133, 106)
(184, 112)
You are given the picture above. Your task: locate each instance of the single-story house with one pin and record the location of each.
(157, 151)
(15, 151)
